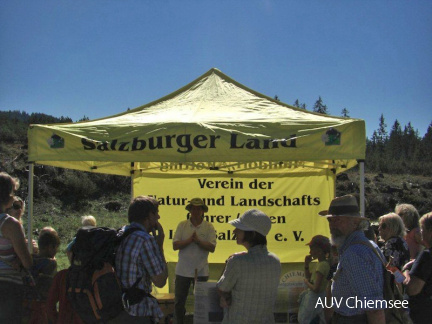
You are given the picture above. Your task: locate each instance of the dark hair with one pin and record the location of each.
(48, 237)
(8, 185)
(140, 208)
(254, 238)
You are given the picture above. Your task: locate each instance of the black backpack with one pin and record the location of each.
(92, 285)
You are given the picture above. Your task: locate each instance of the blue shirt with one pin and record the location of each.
(358, 281)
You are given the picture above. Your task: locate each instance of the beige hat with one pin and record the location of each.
(253, 220)
(342, 206)
(197, 202)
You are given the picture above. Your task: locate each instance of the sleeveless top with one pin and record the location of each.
(7, 255)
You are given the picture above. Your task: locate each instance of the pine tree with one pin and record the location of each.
(296, 103)
(394, 146)
(426, 146)
(382, 131)
(345, 112)
(410, 142)
(319, 107)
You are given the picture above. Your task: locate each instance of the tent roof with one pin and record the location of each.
(213, 120)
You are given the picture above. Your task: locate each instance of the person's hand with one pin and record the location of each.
(35, 247)
(308, 259)
(158, 234)
(408, 265)
(194, 237)
(225, 300)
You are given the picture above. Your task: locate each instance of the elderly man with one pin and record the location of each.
(194, 238)
(357, 287)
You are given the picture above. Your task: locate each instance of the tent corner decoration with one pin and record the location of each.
(213, 127)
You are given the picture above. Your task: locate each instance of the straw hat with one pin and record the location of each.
(342, 206)
(197, 202)
(253, 220)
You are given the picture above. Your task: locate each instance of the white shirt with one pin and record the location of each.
(192, 256)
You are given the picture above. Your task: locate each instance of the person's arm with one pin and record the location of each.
(376, 316)
(315, 287)
(53, 298)
(13, 231)
(203, 244)
(328, 311)
(228, 280)
(179, 245)
(308, 260)
(159, 280)
(225, 298)
(414, 286)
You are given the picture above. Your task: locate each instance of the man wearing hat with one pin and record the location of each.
(358, 282)
(248, 286)
(194, 238)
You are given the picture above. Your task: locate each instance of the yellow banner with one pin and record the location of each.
(291, 202)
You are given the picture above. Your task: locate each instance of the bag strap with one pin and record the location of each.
(126, 233)
(369, 245)
(3, 219)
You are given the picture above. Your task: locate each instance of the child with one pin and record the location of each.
(316, 281)
(43, 270)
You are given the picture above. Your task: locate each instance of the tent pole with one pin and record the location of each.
(131, 179)
(362, 188)
(30, 208)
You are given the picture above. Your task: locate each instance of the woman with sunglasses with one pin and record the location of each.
(16, 210)
(13, 255)
(392, 230)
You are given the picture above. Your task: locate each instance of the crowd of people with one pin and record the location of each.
(348, 268)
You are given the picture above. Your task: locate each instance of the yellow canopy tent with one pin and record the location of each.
(221, 141)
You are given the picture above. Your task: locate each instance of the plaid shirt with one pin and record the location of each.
(253, 279)
(139, 256)
(359, 274)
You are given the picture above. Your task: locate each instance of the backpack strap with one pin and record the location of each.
(369, 245)
(38, 266)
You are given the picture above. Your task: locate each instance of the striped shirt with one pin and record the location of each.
(139, 256)
(7, 255)
(359, 276)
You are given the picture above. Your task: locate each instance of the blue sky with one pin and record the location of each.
(98, 58)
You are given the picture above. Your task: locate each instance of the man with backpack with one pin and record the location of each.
(357, 288)
(140, 261)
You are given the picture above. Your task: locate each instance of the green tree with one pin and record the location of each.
(345, 112)
(319, 107)
(394, 146)
(426, 146)
(382, 131)
(299, 105)
(410, 142)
